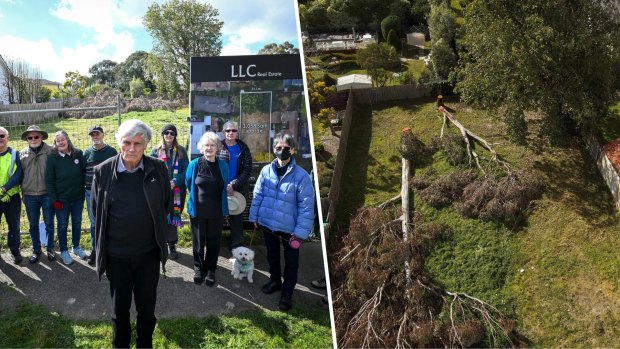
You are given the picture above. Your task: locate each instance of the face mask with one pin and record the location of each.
(283, 154)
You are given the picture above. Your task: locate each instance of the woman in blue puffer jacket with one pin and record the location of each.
(283, 206)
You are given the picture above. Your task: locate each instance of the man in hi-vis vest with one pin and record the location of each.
(10, 202)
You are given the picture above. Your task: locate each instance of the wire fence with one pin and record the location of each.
(76, 128)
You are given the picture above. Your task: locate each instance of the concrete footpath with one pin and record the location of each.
(76, 292)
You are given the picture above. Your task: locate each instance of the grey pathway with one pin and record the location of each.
(76, 292)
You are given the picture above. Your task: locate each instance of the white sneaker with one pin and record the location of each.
(80, 253)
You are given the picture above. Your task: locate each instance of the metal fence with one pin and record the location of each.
(77, 129)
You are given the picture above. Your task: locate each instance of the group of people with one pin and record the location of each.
(54, 181)
(124, 190)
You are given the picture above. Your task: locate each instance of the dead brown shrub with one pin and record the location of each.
(447, 188)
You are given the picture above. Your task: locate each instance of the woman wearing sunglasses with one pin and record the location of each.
(175, 157)
(239, 159)
(283, 207)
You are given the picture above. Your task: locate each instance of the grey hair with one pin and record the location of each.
(5, 130)
(72, 149)
(286, 137)
(209, 136)
(231, 123)
(131, 128)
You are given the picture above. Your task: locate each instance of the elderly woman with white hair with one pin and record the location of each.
(206, 180)
(130, 197)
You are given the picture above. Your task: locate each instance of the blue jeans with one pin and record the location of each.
(34, 205)
(73, 208)
(92, 218)
(11, 211)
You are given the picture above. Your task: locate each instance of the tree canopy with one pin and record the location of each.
(376, 59)
(556, 57)
(133, 66)
(275, 49)
(103, 72)
(182, 29)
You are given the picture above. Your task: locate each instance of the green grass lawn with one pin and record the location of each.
(557, 276)
(29, 325)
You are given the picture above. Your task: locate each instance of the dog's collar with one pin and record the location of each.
(244, 266)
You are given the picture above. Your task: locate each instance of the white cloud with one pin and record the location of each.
(108, 18)
(1, 14)
(40, 54)
(258, 21)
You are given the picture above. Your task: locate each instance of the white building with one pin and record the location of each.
(4, 92)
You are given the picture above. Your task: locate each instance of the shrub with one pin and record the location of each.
(447, 189)
(407, 78)
(504, 200)
(453, 147)
(389, 23)
(329, 80)
(136, 87)
(394, 40)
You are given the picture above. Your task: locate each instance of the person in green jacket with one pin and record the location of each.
(64, 179)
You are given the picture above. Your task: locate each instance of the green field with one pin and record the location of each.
(557, 276)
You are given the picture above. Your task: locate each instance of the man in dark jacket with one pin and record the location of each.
(239, 159)
(127, 190)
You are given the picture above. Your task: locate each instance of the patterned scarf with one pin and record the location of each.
(175, 217)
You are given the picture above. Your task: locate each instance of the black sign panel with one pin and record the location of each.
(245, 68)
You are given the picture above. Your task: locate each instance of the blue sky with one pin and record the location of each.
(57, 36)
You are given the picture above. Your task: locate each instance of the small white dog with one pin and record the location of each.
(244, 263)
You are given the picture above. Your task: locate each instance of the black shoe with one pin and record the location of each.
(173, 254)
(320, 284)
(92, 259)
(271, 287)
(34, 259)
(17, 257)
(286, 302)
(51, 255)
(210, 279)
(198, 277)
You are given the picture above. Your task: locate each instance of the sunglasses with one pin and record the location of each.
(30, 138)
(230, 130)
(2, 136)
(170, 133)
(280, 148)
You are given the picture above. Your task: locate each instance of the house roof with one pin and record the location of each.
(353, 81)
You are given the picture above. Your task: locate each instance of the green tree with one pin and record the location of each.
(550, 56)
(377, 56)
(103, 72)
(394, 40)
(74, 84)
(136, 87)
(443, 59)
(133, 66)
(389, 23)
(182, 29)
(275, 49)
(420, 11)
(44, 94)
(442, 23)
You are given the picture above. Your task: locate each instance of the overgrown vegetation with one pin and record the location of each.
(548, 275)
